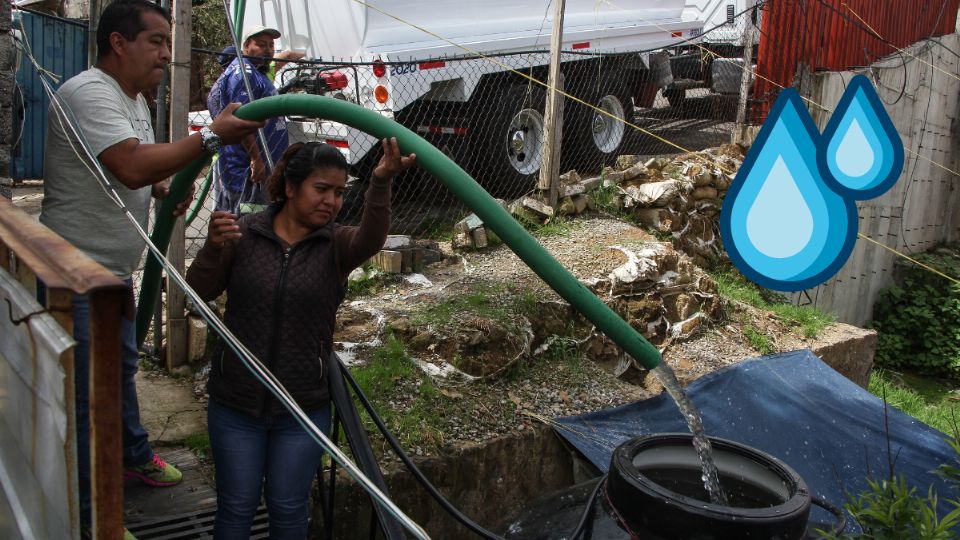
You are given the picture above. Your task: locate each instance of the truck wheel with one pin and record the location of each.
(675, 96)
(512, 138)
(592, 137)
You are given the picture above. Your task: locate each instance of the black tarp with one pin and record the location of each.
(794, 407)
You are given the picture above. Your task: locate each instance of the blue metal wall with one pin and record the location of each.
(60, 46)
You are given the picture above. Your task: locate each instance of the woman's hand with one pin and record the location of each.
(223, 228)
(392, 163)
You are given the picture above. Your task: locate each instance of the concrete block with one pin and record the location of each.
(196, 338)
(571, 190)
(479, 236)
(398, 241)
(406, 261)
(537, 207)
(849, 350)
(419, 258)
(569, 177)
(389, 261)
(461, 240)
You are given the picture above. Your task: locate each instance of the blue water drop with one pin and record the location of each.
(854, 156)
(781, 224)
(779, 198)
(863, 154)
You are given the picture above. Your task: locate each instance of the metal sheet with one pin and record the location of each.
(33, 415)
(60, 46)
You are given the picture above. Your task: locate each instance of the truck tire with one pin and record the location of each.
(592, 138)
(509, 134)
(675, 96)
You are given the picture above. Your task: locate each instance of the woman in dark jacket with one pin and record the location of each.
(285, 272)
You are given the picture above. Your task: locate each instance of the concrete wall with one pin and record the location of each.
(7, 78)
(922, 96)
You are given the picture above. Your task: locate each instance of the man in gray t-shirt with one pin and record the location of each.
(106, 107)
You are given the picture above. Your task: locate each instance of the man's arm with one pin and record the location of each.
(137, 165)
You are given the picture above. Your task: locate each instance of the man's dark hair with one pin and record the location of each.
(126, 18)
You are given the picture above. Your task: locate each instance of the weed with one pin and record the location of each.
(367, 285)
(758, 340)
(390, 377)
(928, 400)
(199, 444)
(733, 286)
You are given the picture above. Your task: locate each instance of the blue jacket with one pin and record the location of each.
(234, 161)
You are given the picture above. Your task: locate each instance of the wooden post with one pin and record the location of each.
(181, 13)
(739, 134)
(106, 447)
(60, 305)
(553, 112)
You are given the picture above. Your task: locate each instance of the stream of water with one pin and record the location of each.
(711, 479)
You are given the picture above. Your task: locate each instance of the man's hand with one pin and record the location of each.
(223, 228)
(231, 129)
(392, 163)
(161, 190)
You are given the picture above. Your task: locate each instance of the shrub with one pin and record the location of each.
(919, 320)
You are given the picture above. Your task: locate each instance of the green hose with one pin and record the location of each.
(466, 188)
(204, 189)
(150, 285)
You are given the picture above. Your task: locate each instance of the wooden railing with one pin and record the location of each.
(33, 253)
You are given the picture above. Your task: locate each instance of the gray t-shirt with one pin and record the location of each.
(74, 204)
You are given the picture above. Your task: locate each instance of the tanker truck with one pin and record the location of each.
(455, 71)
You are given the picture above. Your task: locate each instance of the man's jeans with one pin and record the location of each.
(136, 447)
(247, 448)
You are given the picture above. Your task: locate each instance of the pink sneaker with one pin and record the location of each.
(155, 473)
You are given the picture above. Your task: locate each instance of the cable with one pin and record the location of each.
(251, 362)
(424, 481)
(841, 523)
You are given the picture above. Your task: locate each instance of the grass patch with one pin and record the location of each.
(372, 282)
(758, 340)
(199, 444)
(927, 399)
(440, 230)
(565, 355)
(733, 286)
(390, 374)
(492, 301)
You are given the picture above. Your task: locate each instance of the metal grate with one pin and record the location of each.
(193, 525)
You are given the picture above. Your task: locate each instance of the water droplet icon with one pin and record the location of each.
(863, 154)
(781, 224)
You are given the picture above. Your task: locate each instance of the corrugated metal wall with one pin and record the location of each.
(921, 93)
(60, 46)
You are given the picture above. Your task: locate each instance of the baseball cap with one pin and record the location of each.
(251, 31)
(226, 56)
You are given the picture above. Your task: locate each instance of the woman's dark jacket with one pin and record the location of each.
(282, 303)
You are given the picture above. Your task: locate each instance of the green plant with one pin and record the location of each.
(493, 301)
(366, 285)
(606, 198)
(927, 400)
(390, 373)
(733, 286)
(758, 340)
(918, 321)
(199, 444)
(891, 509)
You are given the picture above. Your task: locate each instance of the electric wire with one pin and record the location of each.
(638, 128)
(67, 122)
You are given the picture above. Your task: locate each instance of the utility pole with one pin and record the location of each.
(181, 13)
(553, 112)
(93, 20)
(739, 132)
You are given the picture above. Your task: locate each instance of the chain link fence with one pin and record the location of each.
(487, 114)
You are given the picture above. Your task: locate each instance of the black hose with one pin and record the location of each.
(587, 516)
(431, 489)
(841, 523)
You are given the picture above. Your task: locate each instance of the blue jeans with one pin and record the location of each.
(245, 450)
(136, 447)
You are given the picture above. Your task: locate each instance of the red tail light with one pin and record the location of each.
(379, 68)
